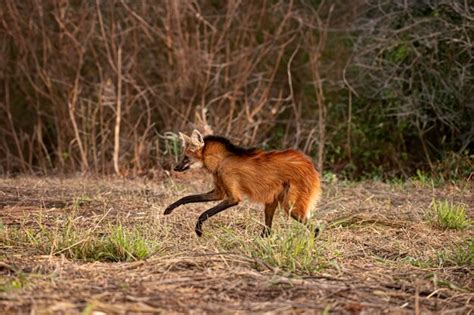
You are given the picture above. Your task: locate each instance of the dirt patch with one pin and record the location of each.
(378, 253)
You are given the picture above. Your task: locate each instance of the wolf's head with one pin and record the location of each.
(192, 151)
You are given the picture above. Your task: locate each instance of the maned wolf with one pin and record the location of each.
(286, 178)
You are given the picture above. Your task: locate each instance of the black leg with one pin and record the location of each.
(210, 196)
(270, 208)
(317, 231)
(269, 213)
(213, 211)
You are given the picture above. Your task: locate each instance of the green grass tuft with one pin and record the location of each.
(10, 283)
(124, 244)
(113, 243)
(459, 255)
(448, 215)
(291, 247)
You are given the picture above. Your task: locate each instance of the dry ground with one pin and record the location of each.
(377, 254)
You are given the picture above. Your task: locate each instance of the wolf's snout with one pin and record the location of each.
(183, 165)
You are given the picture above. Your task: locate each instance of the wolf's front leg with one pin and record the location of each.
(213, 195)
(213, 211)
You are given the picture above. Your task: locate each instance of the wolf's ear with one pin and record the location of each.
(185, 139)
(196, 139)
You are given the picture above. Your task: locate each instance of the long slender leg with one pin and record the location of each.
(213, 211)
(213, 195)
(270, 208)
(269, 213)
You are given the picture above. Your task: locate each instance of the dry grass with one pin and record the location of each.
(377, 253)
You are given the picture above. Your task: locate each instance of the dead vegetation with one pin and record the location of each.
(365, 87)
(379, 251)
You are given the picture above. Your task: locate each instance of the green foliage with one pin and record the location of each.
(454, 166)
(116, 243)
(448, 215)
(411, 113)
(417, 262)
(459, 255)
(423, 178)
(377, 148)
(291, 248)
(399, 53)
(18, 281)
(170, 148)
(125, 244)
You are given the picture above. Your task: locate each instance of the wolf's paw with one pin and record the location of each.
(168, 210)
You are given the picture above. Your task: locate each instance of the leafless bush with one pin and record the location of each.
(95, 85)
(103, 86)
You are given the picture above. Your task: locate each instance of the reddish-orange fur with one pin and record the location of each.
(261, 176)
(286, 178)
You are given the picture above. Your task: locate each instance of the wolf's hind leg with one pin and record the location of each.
(269, 213)
(270, 208)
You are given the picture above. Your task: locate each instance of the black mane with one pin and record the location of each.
(232, 148)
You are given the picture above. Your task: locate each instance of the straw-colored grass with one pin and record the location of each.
(88, 245)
